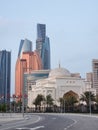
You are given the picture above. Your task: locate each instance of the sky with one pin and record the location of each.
(71, 25)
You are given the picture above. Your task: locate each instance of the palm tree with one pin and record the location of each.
(87, 97)
(96, 99)
(49, 102)
(38, 101)
(96, 102)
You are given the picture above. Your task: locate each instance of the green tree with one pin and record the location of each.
(61, 100)
(3, 107)
(96, 100)
(38, 101)
(87, 97)
(49, 102)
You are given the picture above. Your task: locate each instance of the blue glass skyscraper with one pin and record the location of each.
(45, 55)
(43, 45)
(5, 75)
(41, 31)
(25, 46)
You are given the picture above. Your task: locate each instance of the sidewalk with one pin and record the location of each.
(10, 116)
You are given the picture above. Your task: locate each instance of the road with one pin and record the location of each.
(53, 122)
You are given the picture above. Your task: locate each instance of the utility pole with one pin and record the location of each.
(90, 102)
(64, 105)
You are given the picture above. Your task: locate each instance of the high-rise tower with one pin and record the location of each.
(43, 45)
(25, 46)
(95, 74)
(41, 31)
(5, 75)
(27, 61)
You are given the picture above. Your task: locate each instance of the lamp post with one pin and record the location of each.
(64, 105)
(90, 109)
(90, 100)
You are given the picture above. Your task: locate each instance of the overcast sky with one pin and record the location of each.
(71, 25)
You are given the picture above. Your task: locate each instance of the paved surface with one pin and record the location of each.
(51, 121)
(63, 122)
(5, 117)
(12, 121)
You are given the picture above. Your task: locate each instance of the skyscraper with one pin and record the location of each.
(27, 61)
(45, 55)
(5, 75)
(95, 74)
(41, 31)
(25, 46)
(43, 45)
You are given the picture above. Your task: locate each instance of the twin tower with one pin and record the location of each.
(29, 60)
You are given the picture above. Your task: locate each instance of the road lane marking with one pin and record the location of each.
(15, 125)
(70, 125)
(54, 118)
(35, 128)
(38, 127)
(22, 128)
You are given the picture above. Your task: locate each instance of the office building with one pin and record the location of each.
(5, 76)
(29, 80)
(41, 31)
(25, 46)
(95, 74)
(43, 46)
(27, 61)
(46, 54)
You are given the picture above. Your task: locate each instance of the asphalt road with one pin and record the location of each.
(53, 122)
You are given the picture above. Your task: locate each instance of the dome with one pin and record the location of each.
(59, 72)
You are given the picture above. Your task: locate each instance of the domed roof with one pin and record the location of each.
(59, 72)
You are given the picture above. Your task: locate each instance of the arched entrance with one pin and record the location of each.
(71, 93)
(70, 100)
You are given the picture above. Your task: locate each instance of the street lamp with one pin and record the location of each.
(64, 105)
(90, 102)
(90, 99)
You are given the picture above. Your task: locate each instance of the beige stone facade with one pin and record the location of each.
(59, 82)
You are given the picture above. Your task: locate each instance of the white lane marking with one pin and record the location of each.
(39, 118)
(22, 128)
(70, 125)
(54, 118)
(17, 124)
(35, 128)
(38, 127)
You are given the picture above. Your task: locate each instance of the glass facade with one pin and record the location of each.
(26, 59)
(31, 78)
(45, 55)
(41, 31)
(35, 75)
(5, 75)
(43, 45)
(25, 46)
